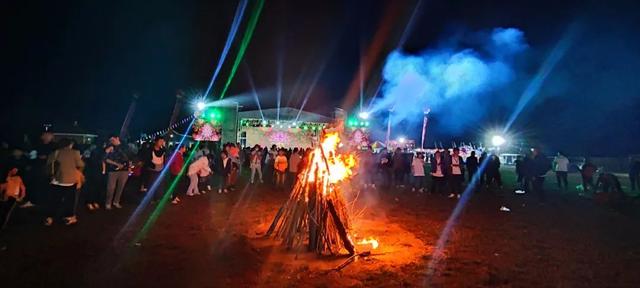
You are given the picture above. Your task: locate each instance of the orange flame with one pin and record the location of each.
(328, 164)
(374, 243)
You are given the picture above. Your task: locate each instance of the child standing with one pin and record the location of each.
(12, 191)
(280, 165)
(256, 163)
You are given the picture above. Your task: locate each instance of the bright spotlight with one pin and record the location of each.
(201, 105)
(498, 140)
(363, 115)
(402, 140)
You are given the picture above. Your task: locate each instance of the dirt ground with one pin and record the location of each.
(218, 241)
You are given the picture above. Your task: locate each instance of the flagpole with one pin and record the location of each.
(425, 120)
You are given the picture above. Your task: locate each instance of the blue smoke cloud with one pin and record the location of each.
(449, 78)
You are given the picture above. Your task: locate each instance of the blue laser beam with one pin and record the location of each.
(253, 89)
(154, 186)
(558, 51)
(237, 19)
(451, 221)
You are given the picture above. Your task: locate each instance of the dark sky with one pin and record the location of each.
(65, 61)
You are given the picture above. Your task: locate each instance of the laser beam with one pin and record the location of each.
(237, 19)
(438, 252)
(559, 50)
(165, 198)
(253, 89)
(154, 186)
(248, 34)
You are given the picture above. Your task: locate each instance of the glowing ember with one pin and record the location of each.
(374, 243)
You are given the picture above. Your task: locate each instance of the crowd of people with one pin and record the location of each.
(55, 176)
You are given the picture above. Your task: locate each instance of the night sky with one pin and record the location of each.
(65, 61)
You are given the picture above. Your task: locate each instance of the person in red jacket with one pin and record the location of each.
(175, 167)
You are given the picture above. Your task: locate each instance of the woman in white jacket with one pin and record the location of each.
(200, 167)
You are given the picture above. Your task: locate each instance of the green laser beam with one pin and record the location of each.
(165, 198)
(248, 34)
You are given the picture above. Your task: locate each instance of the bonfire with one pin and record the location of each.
(315, 213)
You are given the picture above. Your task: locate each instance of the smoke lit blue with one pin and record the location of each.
(448, 78)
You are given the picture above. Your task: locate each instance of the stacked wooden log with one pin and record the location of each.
(315, 214)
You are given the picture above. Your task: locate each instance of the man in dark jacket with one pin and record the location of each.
(472, 165)
(540, 166)
(398, 168)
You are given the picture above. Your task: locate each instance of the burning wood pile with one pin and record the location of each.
(316, 211)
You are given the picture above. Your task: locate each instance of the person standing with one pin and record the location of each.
(588, 170)
(472, 166)
(540, 166)
(63, 164)
(117, 164)
(483, 172)
(269, 157)
(223, 171)
(493, 171)
(234, 155)
(280, 166)
(155, 159)
(519, 163)
(437, 172)
(294, 162)
(255, 163)
(367, 167)
(417, 171)
(456, 173)
(384, 166)
(175, 168)
(561, 167)
(398, 168)
(40, 178)
(96, 172)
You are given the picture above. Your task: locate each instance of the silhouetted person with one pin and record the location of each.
(38, 193)
(472, 165)
(528, 172)
(493, 171)
(483, 173)
(520, 172)
(540, 166)
(398, 165)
